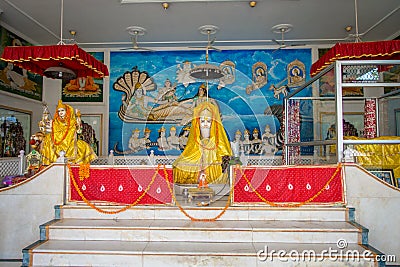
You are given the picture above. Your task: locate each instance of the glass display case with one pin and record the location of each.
(360, 97)
(15, 131)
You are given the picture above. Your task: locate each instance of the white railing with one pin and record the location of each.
(13, 166)
(17, 165)
(152, 159)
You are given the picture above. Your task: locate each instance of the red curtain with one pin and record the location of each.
(362, 50)
(37, 59)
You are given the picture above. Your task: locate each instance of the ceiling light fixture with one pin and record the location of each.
(165, 5)
(252, 3)
(348, 28)
(59, 72)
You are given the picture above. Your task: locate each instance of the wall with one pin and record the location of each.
(24, 207)
(376, 208)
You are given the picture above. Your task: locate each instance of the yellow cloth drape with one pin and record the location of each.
(64, 138)
(203, 154)
(379, 156)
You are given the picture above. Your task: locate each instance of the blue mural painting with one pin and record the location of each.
(152, 95)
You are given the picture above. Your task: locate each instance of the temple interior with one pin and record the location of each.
(212, 155)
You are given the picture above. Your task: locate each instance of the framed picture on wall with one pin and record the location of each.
(14, 79)
(92, 125)
(397, 119)
(84, 89)
(354, 124)
(327, 87)
(384, 175)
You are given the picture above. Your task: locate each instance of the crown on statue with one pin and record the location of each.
(61, 105)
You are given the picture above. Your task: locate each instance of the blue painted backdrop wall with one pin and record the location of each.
(239, 109)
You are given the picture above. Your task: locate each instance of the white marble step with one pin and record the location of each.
(122, 253)
(306, 213)
(217, 231)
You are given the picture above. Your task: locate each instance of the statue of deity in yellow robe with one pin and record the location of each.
(206, 147)
(62, 136)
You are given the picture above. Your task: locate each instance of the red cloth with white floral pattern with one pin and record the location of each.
(123, 185)
(288, 184)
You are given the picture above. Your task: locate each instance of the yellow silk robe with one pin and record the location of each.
(379, 156)
(203, 154)
(64, 138)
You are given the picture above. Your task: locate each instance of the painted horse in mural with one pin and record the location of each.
(284, 89)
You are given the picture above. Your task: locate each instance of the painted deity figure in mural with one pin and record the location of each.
(139, 104)
(145, 140)
(167, 93)
(63, 137)
(135, 143)
(162, 140)
(268, 142)
(183, 73)
(246, 144)
(184, 138)
(236, 144)
(255, 143)
(173, 139)
(206, 148)
(201, 97)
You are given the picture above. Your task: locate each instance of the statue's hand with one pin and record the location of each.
(49, 126)
(225, 162)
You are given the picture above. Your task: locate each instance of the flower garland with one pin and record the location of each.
(57, 117)
(191, 217)
(84, 171)
(105, 211)
(289, 205)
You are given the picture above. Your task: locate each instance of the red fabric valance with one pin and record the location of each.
(363, 50)
(37, 59)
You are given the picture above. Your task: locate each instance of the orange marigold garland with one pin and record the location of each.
(84, 171)
(190, 217)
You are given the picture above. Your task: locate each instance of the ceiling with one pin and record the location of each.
(103, 23)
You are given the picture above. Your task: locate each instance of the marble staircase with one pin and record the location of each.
(163, 236)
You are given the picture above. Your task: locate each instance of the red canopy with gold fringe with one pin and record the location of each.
(37, 59)
(362, 50)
